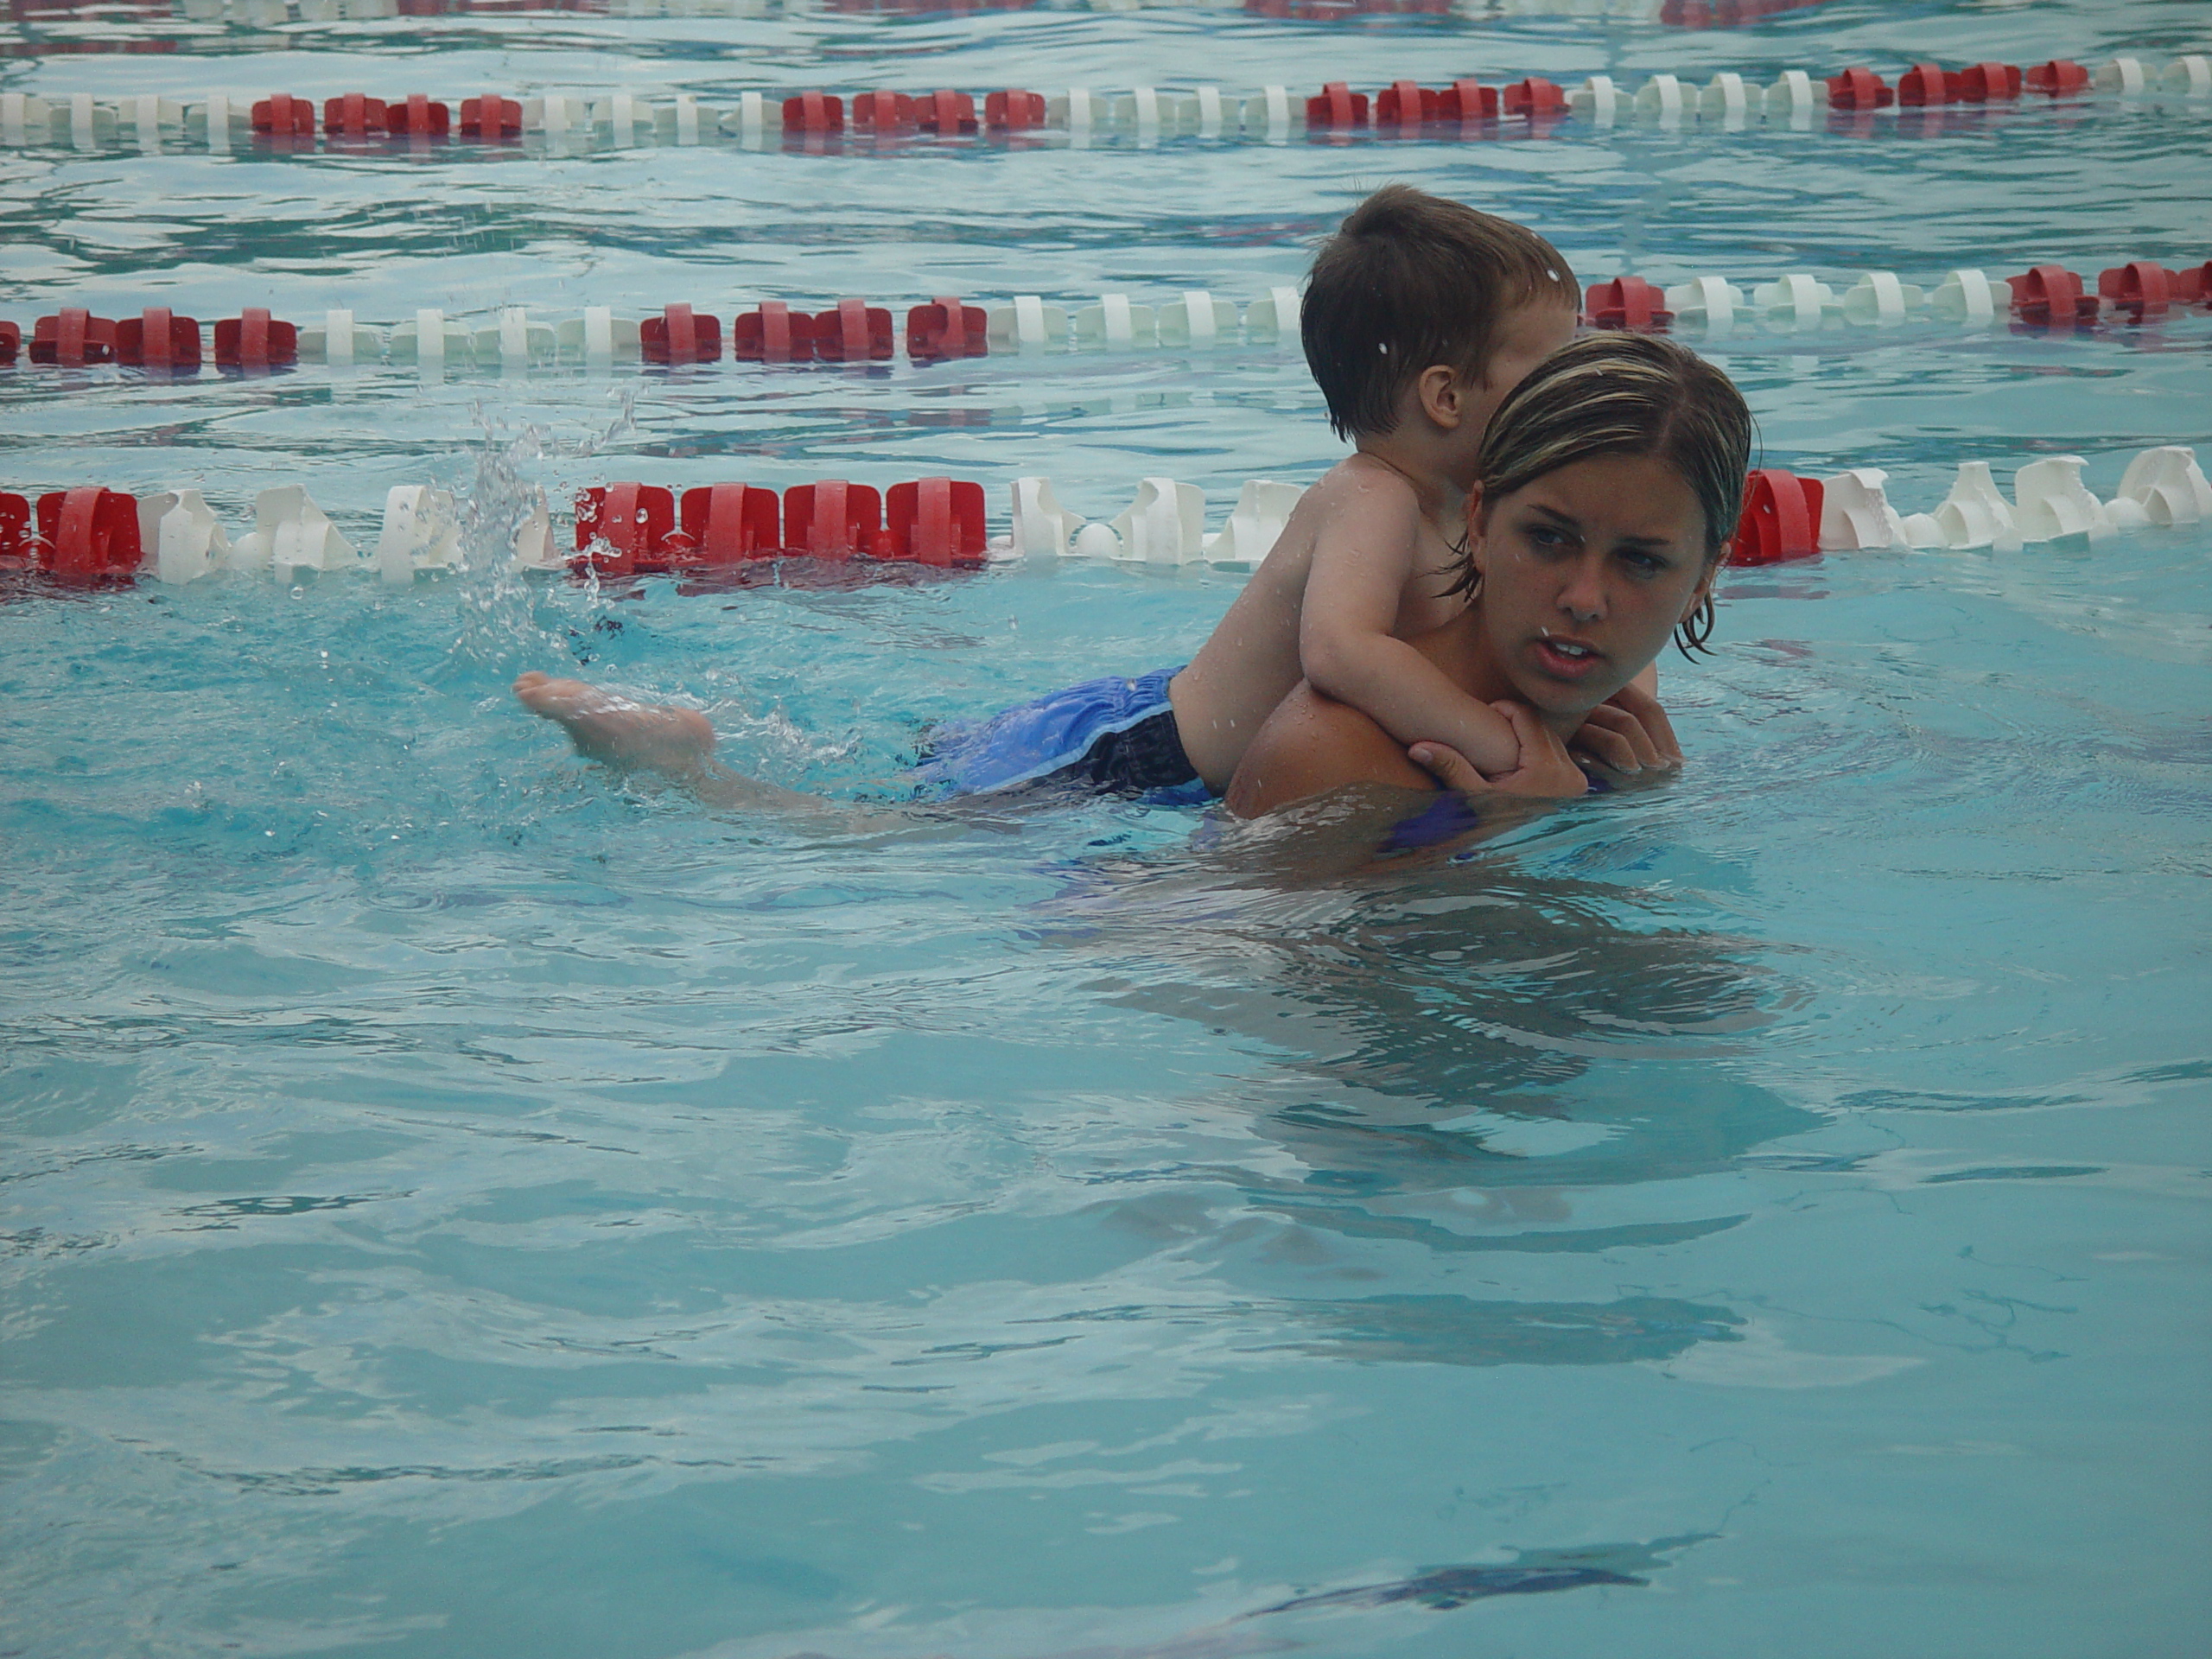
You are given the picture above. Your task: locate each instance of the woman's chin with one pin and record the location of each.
(1566, 702)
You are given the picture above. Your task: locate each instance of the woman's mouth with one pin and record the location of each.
(1565, 659)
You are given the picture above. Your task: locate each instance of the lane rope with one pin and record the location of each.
(771, 332)
(884, 121)
(620, 530)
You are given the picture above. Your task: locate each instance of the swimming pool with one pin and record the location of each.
(461, 1205)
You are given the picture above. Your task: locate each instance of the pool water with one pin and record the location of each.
(459, 1204)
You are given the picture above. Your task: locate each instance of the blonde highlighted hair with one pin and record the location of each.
(1619, 394)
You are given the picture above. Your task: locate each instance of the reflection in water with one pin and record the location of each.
(1469, 1051)
(1458, 1331)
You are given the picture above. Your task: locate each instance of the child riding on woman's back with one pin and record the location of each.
(1421, 315)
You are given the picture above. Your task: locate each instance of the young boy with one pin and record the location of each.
(1421, 315)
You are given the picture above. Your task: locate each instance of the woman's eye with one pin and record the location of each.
(1545, 536)
(1644, 564)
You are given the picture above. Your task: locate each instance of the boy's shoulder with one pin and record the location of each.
(1361, 478)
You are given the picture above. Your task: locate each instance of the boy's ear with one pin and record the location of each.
(1443, 397)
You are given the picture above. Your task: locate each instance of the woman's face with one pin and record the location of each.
(1586, 573)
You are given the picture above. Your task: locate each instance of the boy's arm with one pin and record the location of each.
(1363, 560)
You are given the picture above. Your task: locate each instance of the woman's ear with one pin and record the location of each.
(1474, 525)
(1701, 595)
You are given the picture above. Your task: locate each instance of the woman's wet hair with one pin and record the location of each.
(1620, 394)
(1411, 280)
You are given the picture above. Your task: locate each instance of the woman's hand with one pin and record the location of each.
(1629, 733)
(1545, 769)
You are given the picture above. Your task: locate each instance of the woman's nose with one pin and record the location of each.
(1583, 598)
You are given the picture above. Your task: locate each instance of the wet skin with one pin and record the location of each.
(1586, 573)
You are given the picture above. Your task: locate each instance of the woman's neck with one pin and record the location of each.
(1462, 649)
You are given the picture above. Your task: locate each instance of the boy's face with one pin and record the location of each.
(1528, 335)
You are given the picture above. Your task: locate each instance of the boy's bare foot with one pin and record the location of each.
(616, 731)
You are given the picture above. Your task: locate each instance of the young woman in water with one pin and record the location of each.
(1609, 482)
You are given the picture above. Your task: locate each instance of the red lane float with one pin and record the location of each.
(944, 328)
(157, 338)
(2051, 295)
(79, 535)
(882, 112)
(254, 340)
(491, 117)
(2144, 285)
(1013, 110)
(1627, 302)
(11, 342)
(18, 541)
(946, 113)
(622, 529)
(727, 524)
(1986, 83)
(73, 338)
(680, 335)
(418, 117)
(772, 333)
(936, 521)
(1405, 103)
(2060, 77)
(1338, 108)
(1925, 83)
(814, 115)
(625, 530)
(833, 519)
(855, 332)
(1860, 89)
(1781, 519)
(283, 116)
(1534, 98)
(356, 116)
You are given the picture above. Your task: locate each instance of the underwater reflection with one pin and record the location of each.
(1469, 1053)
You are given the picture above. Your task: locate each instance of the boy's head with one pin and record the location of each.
(1410, 280)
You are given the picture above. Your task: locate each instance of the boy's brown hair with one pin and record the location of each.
(1411, 280)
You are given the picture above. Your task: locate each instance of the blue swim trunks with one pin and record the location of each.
(1114, 735)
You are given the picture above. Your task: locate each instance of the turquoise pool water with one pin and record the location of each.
(457, 1204)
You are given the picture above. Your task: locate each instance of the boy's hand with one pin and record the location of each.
(1545, 769)
(1628, 734)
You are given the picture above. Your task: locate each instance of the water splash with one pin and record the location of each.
(497, 598)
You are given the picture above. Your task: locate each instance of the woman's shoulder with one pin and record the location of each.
(1311, 745)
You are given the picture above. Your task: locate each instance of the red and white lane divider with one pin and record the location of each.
(93, 535)
(1787, 517)
(2048, 296)
(622, 531)
(772, 333)
(820, 119)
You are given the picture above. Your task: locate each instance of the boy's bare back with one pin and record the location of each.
(1251, 662)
